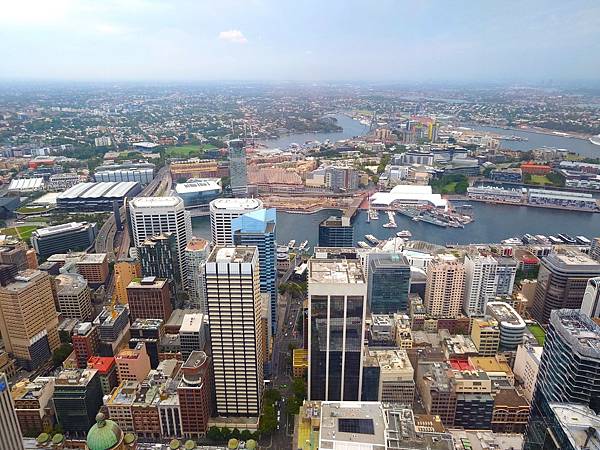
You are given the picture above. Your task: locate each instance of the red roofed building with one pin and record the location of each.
(107, 370)
(535, 169)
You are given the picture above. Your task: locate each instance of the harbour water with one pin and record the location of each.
(351, 128)
(536, 140)
(493, 223)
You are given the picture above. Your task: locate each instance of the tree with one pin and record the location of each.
(235, 433)
(272, 396)
(245, 435)
(299, 388)
(226, 433)
(292, 406)
(214, 434)
(61, 353)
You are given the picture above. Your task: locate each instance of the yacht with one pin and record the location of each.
(404, 234)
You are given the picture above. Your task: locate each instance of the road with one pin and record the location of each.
(105, 241)
(281, 378)
(110, 239)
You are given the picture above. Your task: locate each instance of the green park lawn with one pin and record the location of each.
(22, 232)
(540, 179)
(185, 151)
(538, 332)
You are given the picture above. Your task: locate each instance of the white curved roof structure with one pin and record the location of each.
(409, 193)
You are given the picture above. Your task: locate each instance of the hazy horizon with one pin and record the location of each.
(380, 42)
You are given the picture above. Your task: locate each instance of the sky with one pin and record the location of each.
(303, 40)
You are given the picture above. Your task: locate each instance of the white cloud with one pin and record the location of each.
(233, 36)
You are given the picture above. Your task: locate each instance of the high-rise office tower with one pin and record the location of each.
(337, 301)
(569, 371)
(445, 287)
(257, 228)
(506, 271)
(150, 332)
(151, 216)
(562, 281)
(591, 298)
(197, 252)
(77, 399)
(389, 283)
(480, 283)
(149, 298)
(10, 431)
(28, 318)
(336, 232)
(73, 296)
(222, 213)
(238, 169)
(159, 258)
(194, 393)
(126, 269)
(236, 335)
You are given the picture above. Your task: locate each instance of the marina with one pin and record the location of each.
(493, 223)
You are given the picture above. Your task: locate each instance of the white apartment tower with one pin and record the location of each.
(445, 287)
(10, 431)
(234, 305)
(151, 216)
(480, 283)
(223, 211)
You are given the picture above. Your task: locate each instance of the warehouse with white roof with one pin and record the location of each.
(96, 196)
(409, 194)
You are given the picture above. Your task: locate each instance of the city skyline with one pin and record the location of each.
(390, 41)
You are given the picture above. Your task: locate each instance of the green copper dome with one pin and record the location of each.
(104, 435)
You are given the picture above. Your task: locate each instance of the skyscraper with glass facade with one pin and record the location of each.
(337, 296)
(389, 283)
(569, 372)
(257, 228)
(238, 170)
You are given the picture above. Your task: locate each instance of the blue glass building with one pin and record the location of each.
(389, 283)
(257, 228)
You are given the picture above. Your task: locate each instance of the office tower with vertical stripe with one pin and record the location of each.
(337, 302)
(234, 306)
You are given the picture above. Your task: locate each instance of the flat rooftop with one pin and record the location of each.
(338, 271)
(360, 423)
(196, 245)
(236, 204)
(155, 202)
(198, 185)
(575, 420)
(485, 440)
(146, 324)
(580, 329)
(75, 377)
(393, 361)
(23, 280)
(192, 323)
(93, 258)
(147, 282)
(574, 260)
(505, 314)
(230, 254)
(59, 229)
